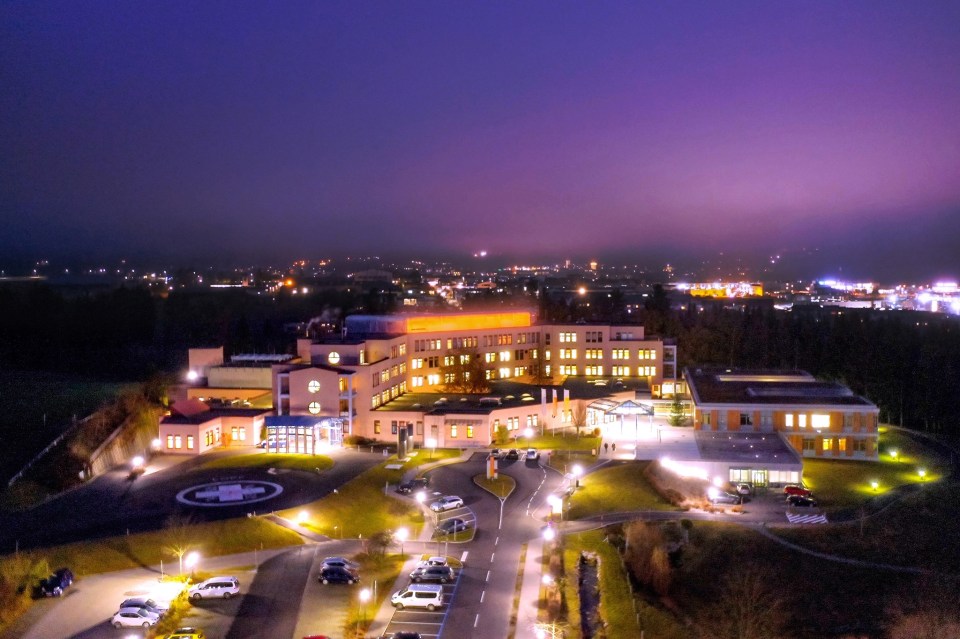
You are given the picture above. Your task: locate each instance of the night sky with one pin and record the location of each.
(256, 131)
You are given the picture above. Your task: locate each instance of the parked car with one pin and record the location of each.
(429, 596)
(793, 489)
(222, 587)
(434, 561)
(406, 635)
(337, 575)
(413, 485)
(186, 633)
(513, 454)
(743, 489)
(451, 526)
(446, 503)
(720, 497)
(57, 583)
(533, 454)
(496, 453)
(339, 562)
(134, 618)
(443, 574)
(147, 604)
(799, 501)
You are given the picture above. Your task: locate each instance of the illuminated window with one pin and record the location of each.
(705, 419)
(842, 444)
(313, 386)
(470, 432)
(178, 442)
(809, 444)
(568, 353)
(621, 353)
(314, 408)
(453, 430)
(433, 379)
(376, 427)
(827, 444)
(169, 441)
(594, 370)
(594, 353)
(568, 337)
(621, 371)
(342, 383)
(803, 421)
(416, 363)
(235, 433)
(334, 357)
(504, 356)
(490, 357)
(504, 373)
(820, 421)
(788, 420)
(189, 442)
(417, 381)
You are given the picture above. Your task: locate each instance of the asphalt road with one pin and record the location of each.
(484, 598)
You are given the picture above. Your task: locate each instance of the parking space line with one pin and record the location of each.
(492, 555)
(496, 541)
(482, 593)
(463, 557)
(476, 620)
(488, 576)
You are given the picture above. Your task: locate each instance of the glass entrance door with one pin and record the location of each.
(758, 477)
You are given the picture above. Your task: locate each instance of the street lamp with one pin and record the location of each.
(302, 517)
(923, 473)
(893, 454)
(401, 536)
(874, 484)
(528, 433)
(191, 560)
(432, 445)
(549, 534)
(556, 505)
(364, 598)
(577, 471)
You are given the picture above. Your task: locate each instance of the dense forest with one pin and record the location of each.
(908, 363)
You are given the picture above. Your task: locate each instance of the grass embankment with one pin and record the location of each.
(362, 505)
(619, 488)
(290, 461)
(840, 484)
(382, 570)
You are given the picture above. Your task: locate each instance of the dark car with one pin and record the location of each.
(337, 575)
(55, 584)
(443, 574)
(496, 453)
(799, 501)
(513, 454)
(405, 635)
(408, 487)
(451, 526)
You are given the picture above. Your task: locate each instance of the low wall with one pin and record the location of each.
(123, 444)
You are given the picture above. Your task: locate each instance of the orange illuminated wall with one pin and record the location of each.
(472, 322)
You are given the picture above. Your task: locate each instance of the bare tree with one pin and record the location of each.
(177, 531)
(465, 372)
(747, 606)
(579, 415)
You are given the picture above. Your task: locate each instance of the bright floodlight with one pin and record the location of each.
(554, 501)
(922, 472)
(191, 559)
(156, 443)
(137, 462)
(421, 496)
(549, 534)
(365, 595)
(577, 470)
(302, 516)
(893, 453)
(582, 290)
(192, 376)
(712, 492)
(547, 580)
(528, 433)
(402, 534)
(874, 485)
(718, 481)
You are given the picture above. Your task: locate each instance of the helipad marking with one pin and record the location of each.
(229, 493)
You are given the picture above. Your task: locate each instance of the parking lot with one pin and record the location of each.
(427, 623)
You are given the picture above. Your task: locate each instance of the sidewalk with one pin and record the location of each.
(529, 608)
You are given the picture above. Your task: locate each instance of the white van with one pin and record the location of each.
(224, 587)
(429, 596)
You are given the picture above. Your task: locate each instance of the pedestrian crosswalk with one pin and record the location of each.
(806, 518)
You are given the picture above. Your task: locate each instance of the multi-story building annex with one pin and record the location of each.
(818, 419)
(449, 360)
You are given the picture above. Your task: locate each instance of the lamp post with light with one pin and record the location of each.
(577, 471)
(432, 445)
(192, 559)
(401, 535)
(364, 598)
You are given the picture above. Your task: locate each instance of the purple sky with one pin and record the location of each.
(272, 131)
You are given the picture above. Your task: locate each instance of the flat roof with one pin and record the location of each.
(214, 413)
(715, 385)
(755, 448)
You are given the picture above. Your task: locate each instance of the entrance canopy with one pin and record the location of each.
(303, 433)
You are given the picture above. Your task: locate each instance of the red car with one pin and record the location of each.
(798, 491)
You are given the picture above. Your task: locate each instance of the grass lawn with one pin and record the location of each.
(271, 460)
(144, 549)
(846, 484)
(362, 507)
(423, 456)
(913, 531)
(500, 487)
(618, 488)
(384, 571)
(569, 442)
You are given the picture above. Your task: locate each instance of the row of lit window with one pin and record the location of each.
(313, 386)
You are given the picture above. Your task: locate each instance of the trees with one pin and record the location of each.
(579, 415)
(677, 415)
(746, 606)
(463, 372)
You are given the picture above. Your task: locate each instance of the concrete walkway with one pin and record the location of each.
(529, 607)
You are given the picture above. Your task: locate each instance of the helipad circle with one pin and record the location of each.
(229, 493)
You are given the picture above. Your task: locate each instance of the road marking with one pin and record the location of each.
(476, 620)
(492, 555)
(488, 576)
(463, 557)
(496, 541)
(481, 595)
